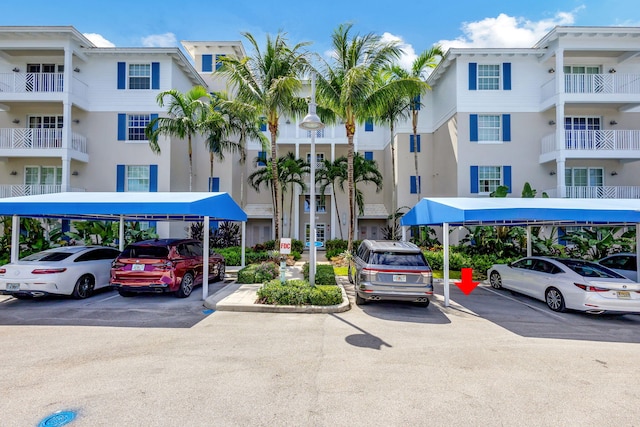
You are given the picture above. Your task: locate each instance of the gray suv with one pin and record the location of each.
(390, 270)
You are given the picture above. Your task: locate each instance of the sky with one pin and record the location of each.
(416, 25)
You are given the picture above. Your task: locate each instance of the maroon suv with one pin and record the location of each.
(163, 265)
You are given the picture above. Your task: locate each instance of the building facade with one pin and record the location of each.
(561, 115)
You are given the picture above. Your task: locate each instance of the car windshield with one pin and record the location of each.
(159, 252)
(398, 258)
(47, 256)
(589, 269)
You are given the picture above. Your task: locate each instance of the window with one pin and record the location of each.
(136, 124)
(489, 178)
(581, 133)
(138, 178)
(584, 177)
(42, 175)
(488, 77)
(319, 159)
(321, 204)
(489, 128)
(139, 76)
(368, 155)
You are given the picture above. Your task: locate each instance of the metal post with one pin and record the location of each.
(205, 264)
(445, 267)
(312, 191)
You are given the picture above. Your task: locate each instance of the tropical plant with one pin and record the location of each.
(292, 173)
(365, 171)
(217, 130)
(186, 113)
(347, 87)
(32, 238)
(425, 61)
(269, 80)
(598, 242)
(333, 174)
(106, 233)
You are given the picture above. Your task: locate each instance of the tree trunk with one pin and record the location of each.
(352, 210)
(190, 163)
(394, 194)
(275, 181)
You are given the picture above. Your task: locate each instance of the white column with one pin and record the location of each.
(121, 241)
(529, 251)
(560, 132)
(296, 204)
(15, 238)
(445, 264)
(205, 263)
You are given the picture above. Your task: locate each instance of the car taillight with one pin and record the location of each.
(165, 265)
(370, 274)
(48, 270)
(3, 270)
(116, 264)
(591, 288)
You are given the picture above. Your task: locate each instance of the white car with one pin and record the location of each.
(622, 263)
(67, 270)
(568, 284)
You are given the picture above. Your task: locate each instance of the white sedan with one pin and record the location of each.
(67, 270)
(568, 284)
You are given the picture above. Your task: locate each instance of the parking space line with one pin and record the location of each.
(547, 312)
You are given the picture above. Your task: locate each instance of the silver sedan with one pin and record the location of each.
(568, 284)
(67, 270)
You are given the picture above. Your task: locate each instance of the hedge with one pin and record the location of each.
(259, 273)
(298, 292)
(324, 274)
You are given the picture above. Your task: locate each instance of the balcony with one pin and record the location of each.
(36, 86)
(26, 142)
(598, 192)
(608, 144)
(613, 87)
(30, 190)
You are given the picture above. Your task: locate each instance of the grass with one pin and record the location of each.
(341, 271)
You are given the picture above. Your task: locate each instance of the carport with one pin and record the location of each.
(127, 206)
(494, 211)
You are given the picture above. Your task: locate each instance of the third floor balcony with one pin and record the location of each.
(36, 86)
(607, 87)
(596, 144)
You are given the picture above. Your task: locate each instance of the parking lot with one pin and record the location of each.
(491, 358)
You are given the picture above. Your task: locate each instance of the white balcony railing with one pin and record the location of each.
(36, 139)
(598, 192)
(613, 83)
(612, 140)
(31, 82)
(30, 190)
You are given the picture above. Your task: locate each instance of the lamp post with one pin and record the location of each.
(312, 123)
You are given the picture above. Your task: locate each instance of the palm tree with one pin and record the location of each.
(186, 114)
(426, 60)
(269, 80)
(292, 172)
(366, 172)
(347, 88)
(334, 174)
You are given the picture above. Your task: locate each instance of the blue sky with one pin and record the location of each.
(417, 24)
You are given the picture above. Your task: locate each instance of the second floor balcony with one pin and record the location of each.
(31, 189)
(609, 144)
(28, 142)
(597, 192)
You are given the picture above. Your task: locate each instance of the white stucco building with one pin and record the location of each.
(562, 115)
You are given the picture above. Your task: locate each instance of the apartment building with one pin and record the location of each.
(561, 115)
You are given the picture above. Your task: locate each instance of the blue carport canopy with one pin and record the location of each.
(446, 211)
(127, 206)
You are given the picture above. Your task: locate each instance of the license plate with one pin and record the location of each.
(137, 267)
(624, 295)
(13, 286)
(399, 278)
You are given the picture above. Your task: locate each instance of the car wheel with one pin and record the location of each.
(84, 287)
(554, 299)
(221, 270)
(495, 280)
(126, 294)
(350, 275)
(186, 286)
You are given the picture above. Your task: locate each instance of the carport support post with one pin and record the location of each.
(121, 234)
(15, 238)
(242, 243)
(529, 240)
(205, 264)
(445, 266)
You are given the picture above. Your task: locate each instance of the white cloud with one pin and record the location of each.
(408, 52)
(507, 31)
(98, 40)
(160, 40)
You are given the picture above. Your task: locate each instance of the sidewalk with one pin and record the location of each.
(242, 297)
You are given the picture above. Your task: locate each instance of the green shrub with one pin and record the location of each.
(259, 273)
(324, 274)
(298, 292)
(231, 255)
(457, 260)
(297, 246)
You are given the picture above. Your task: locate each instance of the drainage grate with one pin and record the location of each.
(58, 419)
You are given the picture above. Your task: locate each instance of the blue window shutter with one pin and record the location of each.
(155, 75)
(207, 63)
(506, 180)
(263, 127)
(419, 184)
(120, 178)
(122, 75)
(368, 125)
(506, 78)
(506, 127)
(412, 146)
(262, 158)
(561, 233)
(414, 185)
(214, 184)
(368, 155)
(122, 127)
(473, 127)
(473, 76)
(474, 179)
(153, 178)
(419, 148)
(154, 117)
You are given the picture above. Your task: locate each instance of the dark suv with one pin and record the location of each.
(163, 265)
(390, 270)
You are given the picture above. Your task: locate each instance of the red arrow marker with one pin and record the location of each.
(467, 285)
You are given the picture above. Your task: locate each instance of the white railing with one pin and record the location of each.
(602, 83)
(31, 82)
(612, 140)
(596, 192)
(21, 138)
(30, 190)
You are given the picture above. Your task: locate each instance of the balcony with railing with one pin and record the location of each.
(27, 142)
(30, 190)
(627, 86)
(290, 133)
(598, 192)
(612, 144)
(37, 85)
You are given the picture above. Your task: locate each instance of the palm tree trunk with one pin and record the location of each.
(335, 203)
(275, 181)
(351, 189)
(190, 164)
(394, 194)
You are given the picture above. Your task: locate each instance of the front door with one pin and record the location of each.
(321, 230)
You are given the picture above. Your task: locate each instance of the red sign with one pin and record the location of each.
(467, 285)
